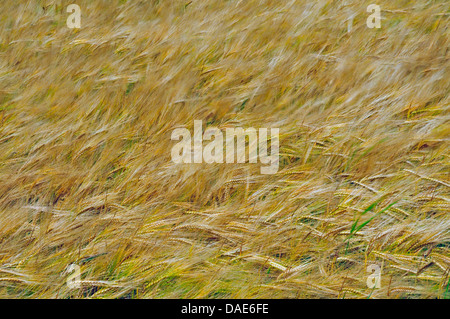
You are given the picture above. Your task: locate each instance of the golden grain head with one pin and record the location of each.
(86, 176)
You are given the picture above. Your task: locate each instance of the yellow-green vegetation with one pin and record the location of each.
(86, 175)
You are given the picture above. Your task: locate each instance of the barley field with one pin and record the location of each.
(86, 177)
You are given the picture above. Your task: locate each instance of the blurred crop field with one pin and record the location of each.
(86, 176)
